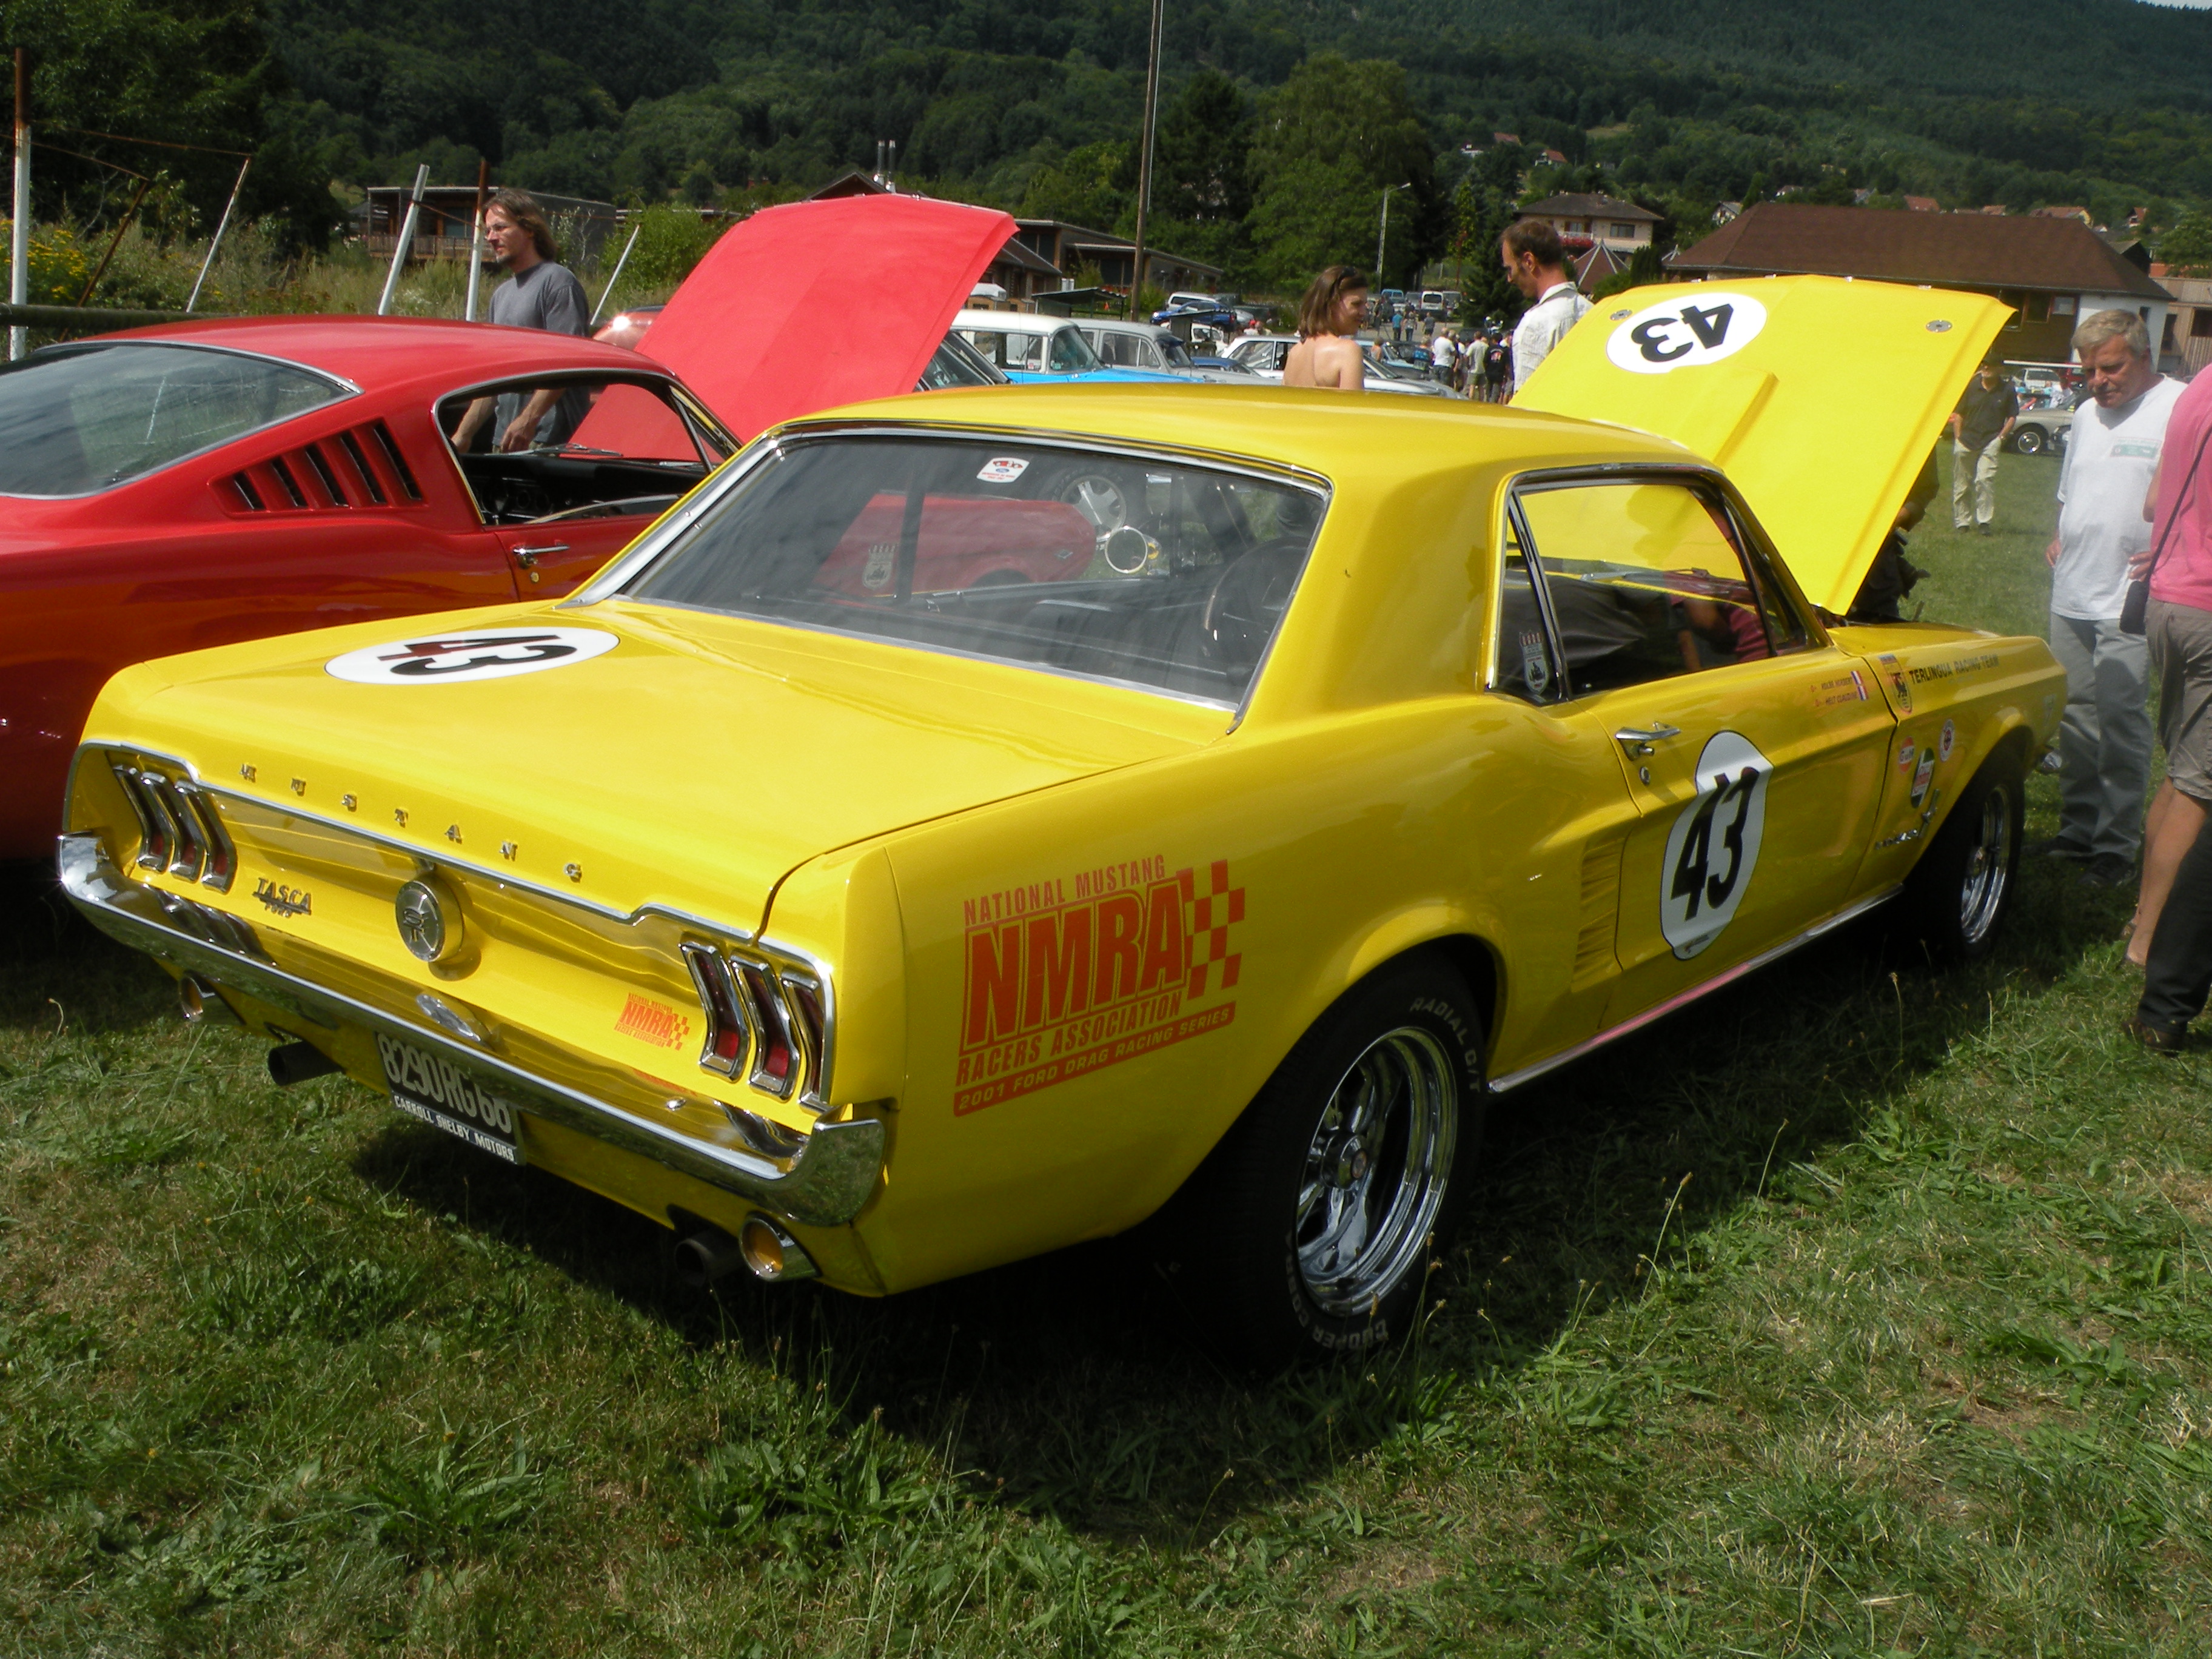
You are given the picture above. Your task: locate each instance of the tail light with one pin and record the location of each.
(762, 1024)
(724, 1050)
(178, 828)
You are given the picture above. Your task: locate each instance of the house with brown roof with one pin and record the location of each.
(2052, 271)
(1607, 220)
(1067, 247)
(1922, 205)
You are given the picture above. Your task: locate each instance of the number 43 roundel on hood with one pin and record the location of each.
(1819, 397)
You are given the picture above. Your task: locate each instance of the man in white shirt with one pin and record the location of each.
(2111, 454)
(1536, 264)
(1444, 353)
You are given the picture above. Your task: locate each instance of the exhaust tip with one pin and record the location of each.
(773, 1255)
(199, 1000)
(705, 1258)
(296, 1062)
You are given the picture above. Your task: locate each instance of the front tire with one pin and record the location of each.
(1314, 1221)
(1959, 893)
(2028, 441)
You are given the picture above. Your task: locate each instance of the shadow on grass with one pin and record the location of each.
(1074, 1382)
(51, 957)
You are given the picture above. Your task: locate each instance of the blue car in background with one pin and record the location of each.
(1031, 350)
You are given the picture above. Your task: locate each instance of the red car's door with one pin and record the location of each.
(567, 471)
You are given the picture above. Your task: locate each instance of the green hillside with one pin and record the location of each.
(1282, 122)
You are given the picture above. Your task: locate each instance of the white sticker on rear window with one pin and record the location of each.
(1003, 468)
(1702, 326)
(489, 653)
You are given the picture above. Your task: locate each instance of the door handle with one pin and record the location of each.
(1637, 740)
(527, 556)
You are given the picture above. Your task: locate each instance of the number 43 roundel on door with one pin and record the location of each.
(1713, 848)
(1702, 326)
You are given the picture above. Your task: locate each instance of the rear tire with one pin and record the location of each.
(2028, 441)
(1310, 1229)
(1958, 895)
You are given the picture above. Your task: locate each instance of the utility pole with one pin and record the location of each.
(18, 238)
(1145, 159)
(1384, 234)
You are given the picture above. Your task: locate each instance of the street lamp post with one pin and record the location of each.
(1384, 234)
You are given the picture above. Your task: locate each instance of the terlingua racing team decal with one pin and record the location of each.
(1714, 845)
(1067, 976)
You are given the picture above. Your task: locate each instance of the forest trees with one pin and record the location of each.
(1326, 145)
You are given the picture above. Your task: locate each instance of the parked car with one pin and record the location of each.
(2041, 431)
(205, 482)
(1238, 372)
(1030, 350)
(1265, 354)
(1383, 759)
(1144, 345)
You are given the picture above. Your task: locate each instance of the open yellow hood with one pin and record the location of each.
(1819, 397)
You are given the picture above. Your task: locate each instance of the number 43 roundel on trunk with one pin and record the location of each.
(1702, 326)
(1713, 848)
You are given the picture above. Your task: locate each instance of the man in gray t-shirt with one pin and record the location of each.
(539, 292)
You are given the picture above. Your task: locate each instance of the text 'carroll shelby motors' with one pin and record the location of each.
(1369, 759)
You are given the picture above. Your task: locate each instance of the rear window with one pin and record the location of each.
(1161, 575)
(78, 419)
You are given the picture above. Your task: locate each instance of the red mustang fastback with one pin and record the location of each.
(209, 482)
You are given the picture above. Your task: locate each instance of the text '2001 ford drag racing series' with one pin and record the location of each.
(865, 907)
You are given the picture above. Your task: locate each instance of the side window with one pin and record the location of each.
(1527, 664)
(1025, 351)
(1643, 581)
(579, 447)
(1069, 355)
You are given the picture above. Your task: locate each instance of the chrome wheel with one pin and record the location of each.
(1988, 869)
(1376, 1172)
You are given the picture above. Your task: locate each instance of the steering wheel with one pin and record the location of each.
(1247, 599)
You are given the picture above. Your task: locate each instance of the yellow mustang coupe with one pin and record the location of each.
(965, 824)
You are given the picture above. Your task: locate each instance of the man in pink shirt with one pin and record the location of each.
(2179, 626)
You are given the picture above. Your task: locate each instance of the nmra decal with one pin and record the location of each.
(284, 901)
(653, 1021)
(1057, 987)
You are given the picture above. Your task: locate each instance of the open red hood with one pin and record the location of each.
(806, 307)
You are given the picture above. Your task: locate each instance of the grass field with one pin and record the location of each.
(1862, 1310)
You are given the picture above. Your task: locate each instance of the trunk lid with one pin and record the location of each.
(1820, 398)
(691, 763)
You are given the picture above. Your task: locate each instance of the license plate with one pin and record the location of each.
(428, 1089)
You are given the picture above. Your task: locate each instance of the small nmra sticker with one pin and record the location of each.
(653, 1021)
(284, 901)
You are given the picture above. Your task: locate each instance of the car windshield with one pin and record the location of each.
(1156, 573)
(1177, 354)
(78, 419)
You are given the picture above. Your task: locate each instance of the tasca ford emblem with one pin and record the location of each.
(491, 653)
(284, 901)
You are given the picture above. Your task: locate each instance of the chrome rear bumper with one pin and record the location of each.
(823, 1183)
